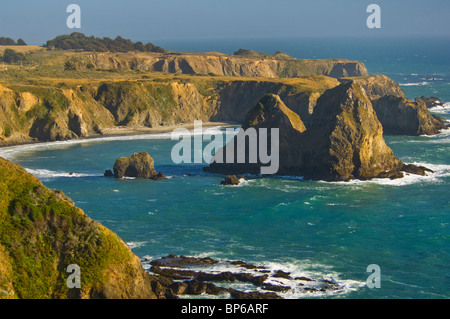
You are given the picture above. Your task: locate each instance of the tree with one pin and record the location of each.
(21, 42)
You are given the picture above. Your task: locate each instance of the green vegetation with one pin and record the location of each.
(11, 56)
(78, 41)
(43, 233)
(7, 131)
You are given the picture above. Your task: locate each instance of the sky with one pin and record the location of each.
(153, 20)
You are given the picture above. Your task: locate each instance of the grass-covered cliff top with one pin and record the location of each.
(41, 233)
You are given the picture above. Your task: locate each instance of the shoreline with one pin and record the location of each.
(119, 131)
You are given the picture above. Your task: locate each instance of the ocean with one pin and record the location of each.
(308, 228)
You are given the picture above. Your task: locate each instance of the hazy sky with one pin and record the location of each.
(153, 20)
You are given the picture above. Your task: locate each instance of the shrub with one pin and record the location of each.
(7, 131)
(11, 56)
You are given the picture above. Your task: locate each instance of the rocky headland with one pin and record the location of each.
(101, 93)
(42, 233)
(342, 141)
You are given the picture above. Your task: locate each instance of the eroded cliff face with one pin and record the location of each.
(344, 139)
(224, 65)
(50, 113)
(42, 233)
(397, 114)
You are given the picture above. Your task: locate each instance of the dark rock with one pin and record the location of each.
(414, 169)
(173, 273)
(304, 279)
(159, 177)
(277, 288)
(430, 102)
(256, 280)
(195, 287)
(223, 276)
(179, 288)
(236, 294)
(230, 180)
(215, 290)
(108, 173)
(394, 174)
(245, 265)
(282, 274)
(182, 261)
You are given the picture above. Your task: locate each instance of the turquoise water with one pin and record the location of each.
(318, 229)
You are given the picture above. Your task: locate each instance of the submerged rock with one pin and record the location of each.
(201, 276)
(230, 180)
(158, 176)
(108, 173)
(414, 169)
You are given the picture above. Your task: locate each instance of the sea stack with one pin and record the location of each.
(138, 165)
(344, 140)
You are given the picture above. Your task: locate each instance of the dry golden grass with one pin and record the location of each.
(21, 48)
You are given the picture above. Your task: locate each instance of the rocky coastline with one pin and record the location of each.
(183, 277)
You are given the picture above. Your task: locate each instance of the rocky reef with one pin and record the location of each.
(138, 165)
(190, 276)
(42, 233)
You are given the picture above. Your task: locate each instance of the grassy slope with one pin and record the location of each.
(41, 233)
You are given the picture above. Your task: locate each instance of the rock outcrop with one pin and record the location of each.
(431, 101)
(269, 113)
(397, 114)
(217, 64)
(344, 140)
(404, 117)
(230, 180)
(42, 233)
(138, 165)
(181, 275)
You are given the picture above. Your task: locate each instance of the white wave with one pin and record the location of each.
(444, 109)
(296, 269)
(10, 152)
(136, 244)
(440, 171)
(45, 173)
(415, 83)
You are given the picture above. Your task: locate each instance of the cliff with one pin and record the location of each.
(217, 64)
(49, 113)
(344, 139)
(71, 95)
(42, 233)
(397, 114)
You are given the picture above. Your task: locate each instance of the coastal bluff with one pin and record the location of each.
(343, 140)
(42, 233)
(73, 95)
